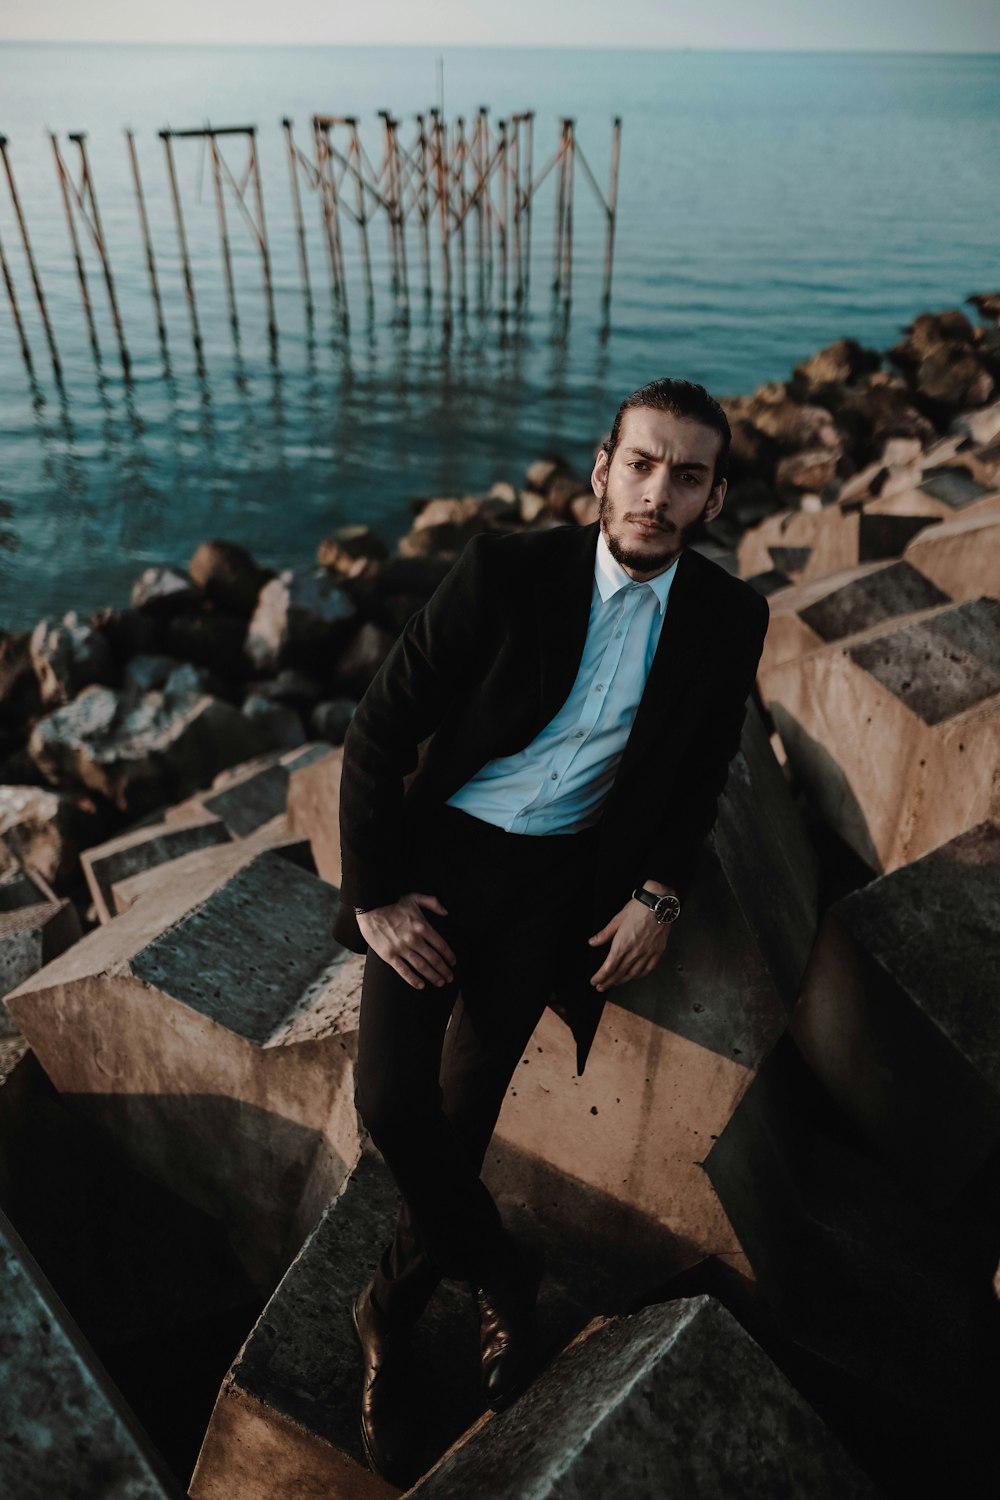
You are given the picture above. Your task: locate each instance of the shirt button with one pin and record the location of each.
(579, 734)
(555, 775)
(599, 688)
(617, 635)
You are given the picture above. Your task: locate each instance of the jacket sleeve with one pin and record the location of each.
(672, 852)
(424, 673)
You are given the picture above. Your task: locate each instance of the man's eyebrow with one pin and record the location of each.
(681, 463)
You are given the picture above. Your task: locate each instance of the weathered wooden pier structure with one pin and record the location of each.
(455, 202)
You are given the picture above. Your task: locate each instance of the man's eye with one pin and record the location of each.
(638, 463)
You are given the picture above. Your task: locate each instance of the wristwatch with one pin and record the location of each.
(664, 908)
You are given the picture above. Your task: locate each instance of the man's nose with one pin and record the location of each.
(656, 490)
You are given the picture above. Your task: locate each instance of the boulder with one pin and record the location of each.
(212, 1032)
(987, 304)
(18, 886)
(143, 849)
(145, 674)
(791, 424)
(211, 640)
(898, 1014)
(615, 1155)
(894, 733)
(299, 620)
(66, 656)
(328, 721)
(349, 549)
(359, 661)
(165, 592)
(141, 753)
(838, 364)
(314, 809)
(18, 683)
(807, 615)
(677, 1400)
(273, 723)
(292, 688)
(981, 426)
(66, 1430)
(811, 469)
(229, 576)
(45, 830)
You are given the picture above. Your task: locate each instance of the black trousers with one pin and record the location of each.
(434, 1064)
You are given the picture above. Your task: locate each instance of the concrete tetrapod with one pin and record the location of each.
(213, 1031)
(898, 1014)
(141, 849)
(64, 1429)
(962, 557)
(895, 732)
(30, 937)
(806, 544)
(677, 1401)
(314, 810)
(614, 1157)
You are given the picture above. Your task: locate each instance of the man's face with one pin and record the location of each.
(655, 488)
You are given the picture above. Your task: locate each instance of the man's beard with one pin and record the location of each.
(647, 561)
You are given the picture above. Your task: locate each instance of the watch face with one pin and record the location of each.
(668, 909)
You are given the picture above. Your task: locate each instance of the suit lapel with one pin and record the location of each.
(563, 593)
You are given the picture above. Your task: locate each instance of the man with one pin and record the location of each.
(526, 785)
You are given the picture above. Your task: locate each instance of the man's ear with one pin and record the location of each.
(599, 477)
(715, 499)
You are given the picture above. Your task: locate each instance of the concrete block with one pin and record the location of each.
(144, 849)
(895, 732)
(213, 1032)
(808, 615)
(245, 797)
(314, 809)
(64, 1429)
(216, 862)
(31, 936)
(812, 544)
(18, 886)
(675, 1401)
(898, 1013)
(941, 494)
(962, 557)
(619, 1150)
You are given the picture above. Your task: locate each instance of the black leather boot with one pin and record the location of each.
(388, 1417)
(506, 1298)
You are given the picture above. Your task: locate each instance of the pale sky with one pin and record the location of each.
(894, 25)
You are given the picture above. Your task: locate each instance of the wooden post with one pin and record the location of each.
(97, 232)
(460, 155)
(528, 199)
(75, 242)
(182, 243)
(331, 217)
(354, 157)
(265, 253)
(29, 257)
(220, 211)
(16, 311)
(502, 214)
(147, 240)
(423, 166)
(560, 222)
(568, 239)
(609, 249)
(300, 227)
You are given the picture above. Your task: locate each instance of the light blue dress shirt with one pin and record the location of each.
(558, 783)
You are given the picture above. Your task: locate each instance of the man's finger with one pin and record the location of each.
(431, 935)
(604, 936)
(431, 964)
(430, 901)
(405, 972)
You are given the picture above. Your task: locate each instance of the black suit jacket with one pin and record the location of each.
(485, 665)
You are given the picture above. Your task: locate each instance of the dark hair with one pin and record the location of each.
(685, 399)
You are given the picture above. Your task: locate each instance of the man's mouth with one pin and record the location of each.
(644, 523)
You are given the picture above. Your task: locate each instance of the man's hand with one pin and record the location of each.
(402, 936)
(638, 942)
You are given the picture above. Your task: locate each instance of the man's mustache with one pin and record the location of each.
(667, 525)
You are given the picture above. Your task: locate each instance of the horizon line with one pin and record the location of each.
(509, 47)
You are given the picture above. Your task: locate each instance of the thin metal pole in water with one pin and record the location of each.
(442, 198)
(568, 241)
(502, 220)
(560, 225)
(220, 211)
(265, 253)
(423, 166)
(529, 120)
(460, 156)
(29, 257)
(182, 242)
(300, 226)
(75, 242)
(147, 239)
(331, 215)
(354, 158)
(609, 250)
(88, 198)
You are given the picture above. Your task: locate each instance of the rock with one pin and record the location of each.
(18, 683)
(839, 363)
(45, 830)
(792, 425)
(987, 304)
(349, 548)
(30, 937)
(809, 469)
(562, 490)
(898, 1014)
(531, 505)
(67, 656)
(962, 556)
(291, 687)
(752, 453)
(212, 1032)
(300, 618)
(981, 426)
(328, 721)
(165, 591)
(358, 662)
(229, 576)
(441, 512)
(273, 723)
(401, 586)
(446, 539)
(953, 378)
(141, 753)
(66, 1429)
(210, 640)
(142, 849)
(18, 886)
(808, 615)
(314, 809)
(613, 1156)
(144, 674)
(894, 733)
(584, 509)
(538, 474)
(677, 1400)
(503, 491)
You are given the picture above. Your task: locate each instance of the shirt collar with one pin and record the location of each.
(610, 576)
